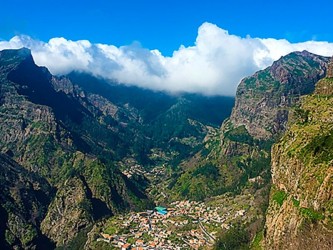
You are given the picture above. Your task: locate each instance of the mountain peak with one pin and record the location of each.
(305, 53)
(10, 56)
(22, 52)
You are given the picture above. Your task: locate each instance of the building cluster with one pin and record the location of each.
(187, 224)
(135, 169)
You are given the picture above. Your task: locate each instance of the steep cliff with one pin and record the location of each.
(263, 100)
(63, 139)
(75, 131)
(24, 198)
(168, 125)
(46, 132)
(239, 153)
(301, 210)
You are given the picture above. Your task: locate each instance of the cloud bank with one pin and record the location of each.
(213, 66)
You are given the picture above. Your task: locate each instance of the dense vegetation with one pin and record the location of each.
(68, 141)
(236, 238)
(302, 167)
(74, 132)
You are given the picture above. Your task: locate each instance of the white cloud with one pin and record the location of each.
(214, 65)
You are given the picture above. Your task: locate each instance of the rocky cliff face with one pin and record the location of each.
(240, 151)
(263, 100)
(60, 141)
(173, 126)
(70, 211)
(46, 131)
(330, 69)
(24, 198)
(301, 209)
(75, 131)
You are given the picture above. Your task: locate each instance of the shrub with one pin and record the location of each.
(279, 196)
(311, 214)
(235, 238)
(208, 170)
(240, 134)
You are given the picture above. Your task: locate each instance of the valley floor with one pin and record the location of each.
(187, 225)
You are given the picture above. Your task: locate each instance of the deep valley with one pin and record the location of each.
(86, 163)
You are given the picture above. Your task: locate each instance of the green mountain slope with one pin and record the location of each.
(74, 132)
(239, 153)
(45, 131)
(24, 198)
(301, 209)
(155, 121)
(77, 149)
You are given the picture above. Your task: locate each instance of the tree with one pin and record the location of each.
(236, 238)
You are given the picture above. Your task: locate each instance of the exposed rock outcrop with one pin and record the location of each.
(241, 149)
(24, 198)
(330, 69)
(69, 212)
(263, 100)
(48, 131)
(301, 210)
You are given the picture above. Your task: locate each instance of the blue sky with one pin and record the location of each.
(164, 25)
(198, 46)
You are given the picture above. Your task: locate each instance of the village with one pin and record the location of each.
(183, 225)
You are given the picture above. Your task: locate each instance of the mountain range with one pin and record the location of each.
(69, 142)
